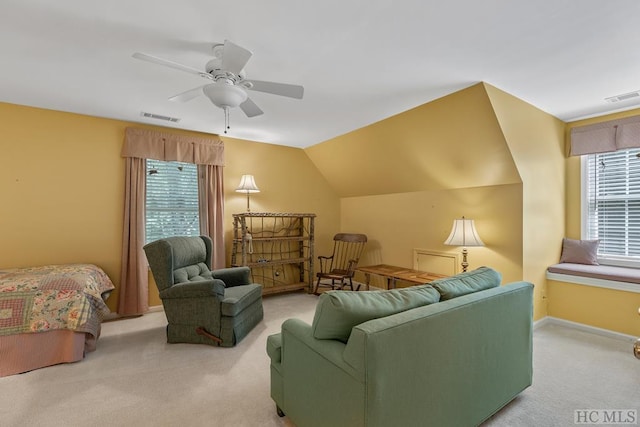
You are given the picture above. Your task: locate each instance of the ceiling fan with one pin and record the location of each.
(228, 84)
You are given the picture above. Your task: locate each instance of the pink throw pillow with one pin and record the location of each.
(579, 251)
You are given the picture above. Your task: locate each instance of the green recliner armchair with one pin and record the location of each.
(202, 306)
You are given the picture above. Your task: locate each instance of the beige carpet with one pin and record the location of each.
(574, 370)
(136, 379)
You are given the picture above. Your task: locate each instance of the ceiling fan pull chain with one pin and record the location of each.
(226, 119)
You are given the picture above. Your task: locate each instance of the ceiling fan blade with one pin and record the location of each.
(282, 89)
(188, 95)
(167, 63)
(234, 57)
(250, 108)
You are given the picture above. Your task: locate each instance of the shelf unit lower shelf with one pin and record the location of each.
(273, 262)
(285, 288)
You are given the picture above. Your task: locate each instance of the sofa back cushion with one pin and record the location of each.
(338, 312)
(467, 283)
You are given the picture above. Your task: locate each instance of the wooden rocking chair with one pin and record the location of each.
(338, 269)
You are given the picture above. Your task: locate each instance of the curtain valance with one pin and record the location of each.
(607, 136)
(149, 144)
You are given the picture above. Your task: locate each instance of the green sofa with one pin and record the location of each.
(451, 353)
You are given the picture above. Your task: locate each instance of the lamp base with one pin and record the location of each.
(465, 264)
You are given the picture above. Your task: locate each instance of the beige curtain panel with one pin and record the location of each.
(606, 136)
(149, 144)
(211, 213)
(134, 283)
(141, 144)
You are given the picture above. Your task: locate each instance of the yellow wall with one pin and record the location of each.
(61, 185)
(478, 152)
(396, 224)
(452, 142)
(404, 179)
(599, 307)
(288, 182)
(536, 142)
(62, 188)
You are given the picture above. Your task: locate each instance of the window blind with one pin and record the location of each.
(172, 200)
(613, 204)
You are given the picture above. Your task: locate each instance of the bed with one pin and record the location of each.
(50, 314)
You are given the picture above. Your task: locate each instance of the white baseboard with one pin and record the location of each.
(550, 320)
(155, 308)
(540, 323)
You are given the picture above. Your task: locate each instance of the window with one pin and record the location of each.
(611, 205)
(172, 200)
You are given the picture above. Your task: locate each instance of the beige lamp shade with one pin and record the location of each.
(247, 185)
(464, 233)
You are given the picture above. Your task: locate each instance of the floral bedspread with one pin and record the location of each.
(39, 299)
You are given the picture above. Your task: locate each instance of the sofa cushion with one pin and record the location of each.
(467, 283)
(338, 312)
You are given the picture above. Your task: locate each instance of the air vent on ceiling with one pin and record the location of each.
(623, 97)
(160, 117)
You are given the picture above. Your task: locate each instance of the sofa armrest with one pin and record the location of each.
(274, 348)
(233, 276)
(316, 380)
(330, 350)
(199, 289)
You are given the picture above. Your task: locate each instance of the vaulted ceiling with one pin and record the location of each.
(359, 61)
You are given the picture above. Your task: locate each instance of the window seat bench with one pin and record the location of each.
(603, 276)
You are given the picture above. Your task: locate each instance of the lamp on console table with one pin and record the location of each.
(247, 185)
(464, 233)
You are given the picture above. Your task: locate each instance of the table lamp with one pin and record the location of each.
(247, 185)
(464, 233)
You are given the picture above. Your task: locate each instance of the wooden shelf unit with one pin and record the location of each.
(278, 247)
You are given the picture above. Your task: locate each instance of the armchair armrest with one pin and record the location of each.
(324, 263)
(234, 276)
(199, 289)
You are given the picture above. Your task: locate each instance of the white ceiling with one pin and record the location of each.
(359, 61)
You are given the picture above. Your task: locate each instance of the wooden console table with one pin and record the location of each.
(393, 274)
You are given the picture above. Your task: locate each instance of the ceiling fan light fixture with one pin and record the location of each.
(225, 95)
(227, 87)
